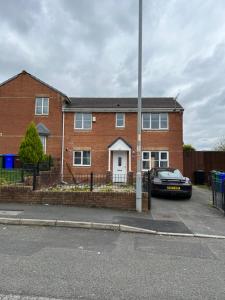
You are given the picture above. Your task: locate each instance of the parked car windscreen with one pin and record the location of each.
(170, 174)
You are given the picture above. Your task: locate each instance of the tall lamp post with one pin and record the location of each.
(139, 154)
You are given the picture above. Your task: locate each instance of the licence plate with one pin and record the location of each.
(173, 188)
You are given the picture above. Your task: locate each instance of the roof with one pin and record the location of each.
(37, 79)
(42, 129)
(122, 104)
(110, 104)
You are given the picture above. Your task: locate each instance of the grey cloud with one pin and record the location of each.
(99, 20)
(89, 48)
(19, 15)
(199, 66)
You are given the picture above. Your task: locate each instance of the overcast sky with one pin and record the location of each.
(89, 48)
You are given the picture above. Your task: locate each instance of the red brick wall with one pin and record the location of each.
(17, 103)
(83, 199)
(98, 139)
(103, 133)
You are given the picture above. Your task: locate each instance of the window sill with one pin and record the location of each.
(145, 129)
(82, 166)
(81, 129)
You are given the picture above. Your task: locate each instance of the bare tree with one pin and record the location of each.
(220, 146)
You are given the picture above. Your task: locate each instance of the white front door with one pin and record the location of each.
(119, 166)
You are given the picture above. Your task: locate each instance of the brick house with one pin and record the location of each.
(24, 98)
(91, 134)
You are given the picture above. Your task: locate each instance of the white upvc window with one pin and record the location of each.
(41, 106)
(82, 158)
(43, 141)
(151, 159)
(120, 120)
(155, 121)
(83, 121)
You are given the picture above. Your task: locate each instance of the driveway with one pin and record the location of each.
(197, 214)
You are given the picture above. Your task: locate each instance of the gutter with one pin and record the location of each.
(91, 109)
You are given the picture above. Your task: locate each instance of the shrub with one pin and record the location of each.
(31, 149)
(188, 147)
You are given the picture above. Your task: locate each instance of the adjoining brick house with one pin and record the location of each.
(24, 98)
(91, 134)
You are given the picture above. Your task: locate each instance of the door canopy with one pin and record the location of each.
(119, 145)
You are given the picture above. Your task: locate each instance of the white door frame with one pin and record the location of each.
(120, 166)
(119, 145)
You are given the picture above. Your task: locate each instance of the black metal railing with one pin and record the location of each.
(97, 183)
(18, 177)
(11, 176)
(218, 192)
(30, 176)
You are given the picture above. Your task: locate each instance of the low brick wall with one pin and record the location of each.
(118, 200)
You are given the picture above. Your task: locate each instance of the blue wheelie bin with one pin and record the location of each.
(9, 161)
(1, 161)
(222, 179)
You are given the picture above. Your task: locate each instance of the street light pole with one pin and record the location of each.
(139, 154)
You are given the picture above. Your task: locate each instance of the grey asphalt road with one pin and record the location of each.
(63, 263)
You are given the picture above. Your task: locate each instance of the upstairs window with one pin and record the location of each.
(83, 121)
(120, 120)
(155, 121)
(42, 106)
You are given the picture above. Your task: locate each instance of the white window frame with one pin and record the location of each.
(150, 161)
(82, 128)
(82, 153)
(42, 106)
(150, 119)
(123, 126)
(43, 139)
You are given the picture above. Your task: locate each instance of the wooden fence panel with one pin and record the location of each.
(203, 160)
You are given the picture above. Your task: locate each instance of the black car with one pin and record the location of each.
(168, 181)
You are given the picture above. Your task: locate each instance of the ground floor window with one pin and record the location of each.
(151, 159)
(43, 141)
(82, 158)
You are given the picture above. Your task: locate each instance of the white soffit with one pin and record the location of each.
(119, 145)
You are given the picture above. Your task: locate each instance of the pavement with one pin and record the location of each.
(195, 217)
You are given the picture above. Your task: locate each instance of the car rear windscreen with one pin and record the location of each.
(170, 174)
